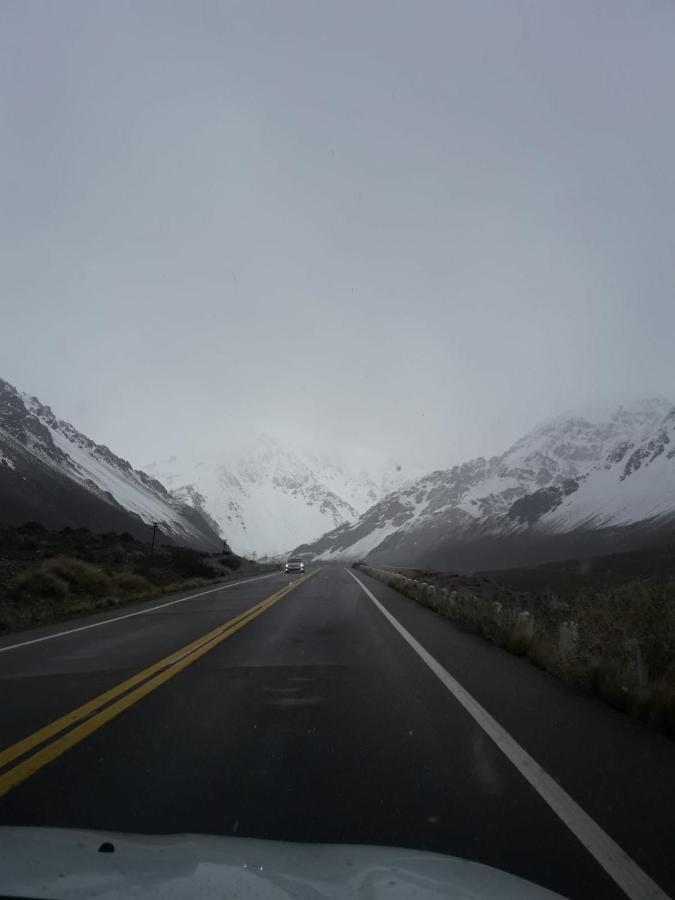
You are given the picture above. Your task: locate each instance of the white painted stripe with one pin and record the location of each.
(139, 612)
(635, 883)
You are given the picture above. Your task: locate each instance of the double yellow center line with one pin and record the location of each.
(71, 728)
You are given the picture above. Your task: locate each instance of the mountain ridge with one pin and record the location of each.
(570, 473)
(54, 474)
(268, 495)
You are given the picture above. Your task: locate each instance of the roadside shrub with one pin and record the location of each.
(542, 653)
(131, 583)
(81, 577)
(233, 562)
(657, 707)
(189, 563)
(633, 626)
(519, 636)
(153, 572)
(49, 575)
(32, 528)
(40, 583)
(215, 568)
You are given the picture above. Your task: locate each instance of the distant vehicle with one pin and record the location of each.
(294, 564)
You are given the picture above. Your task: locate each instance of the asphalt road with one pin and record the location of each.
(312, 718)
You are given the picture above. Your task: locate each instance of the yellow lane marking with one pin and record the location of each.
(70, 718)
(169, 666)
(38, 737)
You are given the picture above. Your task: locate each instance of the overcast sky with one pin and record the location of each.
(418, 227)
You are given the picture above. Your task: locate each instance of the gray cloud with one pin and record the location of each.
(416, 227)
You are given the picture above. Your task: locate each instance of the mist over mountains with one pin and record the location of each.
(269, 494)
(259, 493)
(591, 481)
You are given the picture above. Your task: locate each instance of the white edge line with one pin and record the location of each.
(139, 612)
(632, 880)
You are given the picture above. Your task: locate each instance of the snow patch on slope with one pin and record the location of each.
(125, 487)
(605, 500)
(363, 546)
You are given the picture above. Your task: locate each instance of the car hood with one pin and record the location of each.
(63, 864)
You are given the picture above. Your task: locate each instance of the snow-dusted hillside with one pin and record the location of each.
(268, 496)
(599, 469)
(52, 472)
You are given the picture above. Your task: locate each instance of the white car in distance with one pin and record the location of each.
(294, 564)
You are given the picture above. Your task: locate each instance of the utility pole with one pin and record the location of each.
(154, 533)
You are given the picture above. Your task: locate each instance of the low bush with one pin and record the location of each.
(185, 584)
(151, 571)
(233, 562)
(131, 583)
(81, 577)
(39, 583)
(32, 528)
(542, 653)
(657, 708)
(49, 575)
(190, 563)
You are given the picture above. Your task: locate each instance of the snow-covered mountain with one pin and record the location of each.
(268, 496)
(52, 473)
(581, 473)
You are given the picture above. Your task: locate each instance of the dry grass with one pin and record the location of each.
(57, 590)
(657, 707)
(39, 583)
(617, 643)
(131, 583)
(47, 575)
(82, 578)
(542, 652)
